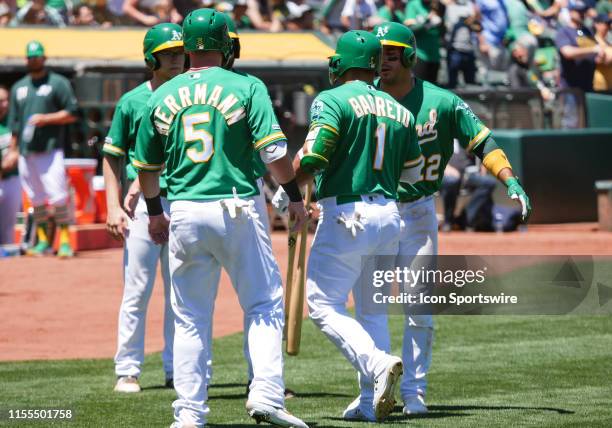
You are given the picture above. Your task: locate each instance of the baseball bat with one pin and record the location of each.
(292, 239)
(296, 300)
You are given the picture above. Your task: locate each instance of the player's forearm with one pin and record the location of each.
(62, 117)
(282, 170)
(149, 183)
(111, 169)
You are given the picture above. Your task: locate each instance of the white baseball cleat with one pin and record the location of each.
(384, 388)
(414, 405)
(127, 384)
(276, 416)
(358, 412)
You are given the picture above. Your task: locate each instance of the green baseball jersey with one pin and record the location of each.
(204, 125)
(376, 137)
(441, 117)
(50, 94)
(260, 166)
(427, 38)
(5, 143)
(121, 138)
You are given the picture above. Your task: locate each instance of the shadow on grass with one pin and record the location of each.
(461, 408)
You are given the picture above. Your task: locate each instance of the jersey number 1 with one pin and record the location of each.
(381, 131)
(198, 135)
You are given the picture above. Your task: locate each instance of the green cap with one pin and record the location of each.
(206, 30)
(355, 49)
(396, 34)
(34, 49)
(161, 37)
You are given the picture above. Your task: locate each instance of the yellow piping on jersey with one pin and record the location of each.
(329, 128)
(146, 166)
(269, 138)
(479, 138)
(413, 162)
(317, 156)
(114, 150)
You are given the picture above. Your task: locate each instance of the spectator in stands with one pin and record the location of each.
(579, 53)
(523, 72)
(494, 19)
(391, 11)
(256, 17)
(36, 12)
(5, 14)
(330, 20)
(184, 7)
(461, 26)
(518, 18)
(151, 12)
(602, 80)
(604, 7)
(83, 16)
(358, 14)
(301, 16)
(578, 50)
(424, 17)
(239, 15)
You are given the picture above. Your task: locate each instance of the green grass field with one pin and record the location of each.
(487, 371)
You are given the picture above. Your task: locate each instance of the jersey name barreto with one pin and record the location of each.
(368, 104)
(199, 94)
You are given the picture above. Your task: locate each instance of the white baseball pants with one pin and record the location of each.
(43, 177)
(419, 237)
(204, 238)
(335, 266)
(261, 208)
(10, 201)
(140, 257)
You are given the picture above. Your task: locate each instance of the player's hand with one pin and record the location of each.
(38, 120)
(131, 199)
(10, 160)
(297, 215)
(158, 228)
(516, 191)
(116, 223)
(280, 201)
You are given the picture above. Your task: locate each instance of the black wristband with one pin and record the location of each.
(293, 191)
(154, 205)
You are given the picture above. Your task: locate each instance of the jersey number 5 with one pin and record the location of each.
(198, 135)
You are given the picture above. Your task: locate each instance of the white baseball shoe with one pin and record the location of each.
(276, 416)
(414, 405)
(182, 425)
(384, 388)
(358, 412)
(127, 384)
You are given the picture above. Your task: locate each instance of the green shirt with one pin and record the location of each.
(260, 166)
(50, 94)
(376, 137)
(518, 17)
(441, 117)
(428, 39)
(397, 16)
(121, 138)
(204, 126)
(5, 143)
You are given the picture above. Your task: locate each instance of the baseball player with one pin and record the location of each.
(204, 126)
(260, 199)
(441, 116)
(10, 189)
(359, 141)
(42, 104)
(164, 56)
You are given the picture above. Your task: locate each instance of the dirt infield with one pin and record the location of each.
(54, 309)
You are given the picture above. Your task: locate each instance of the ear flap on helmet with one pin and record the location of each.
(409, 57)
(152, 62)
(334, 67)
